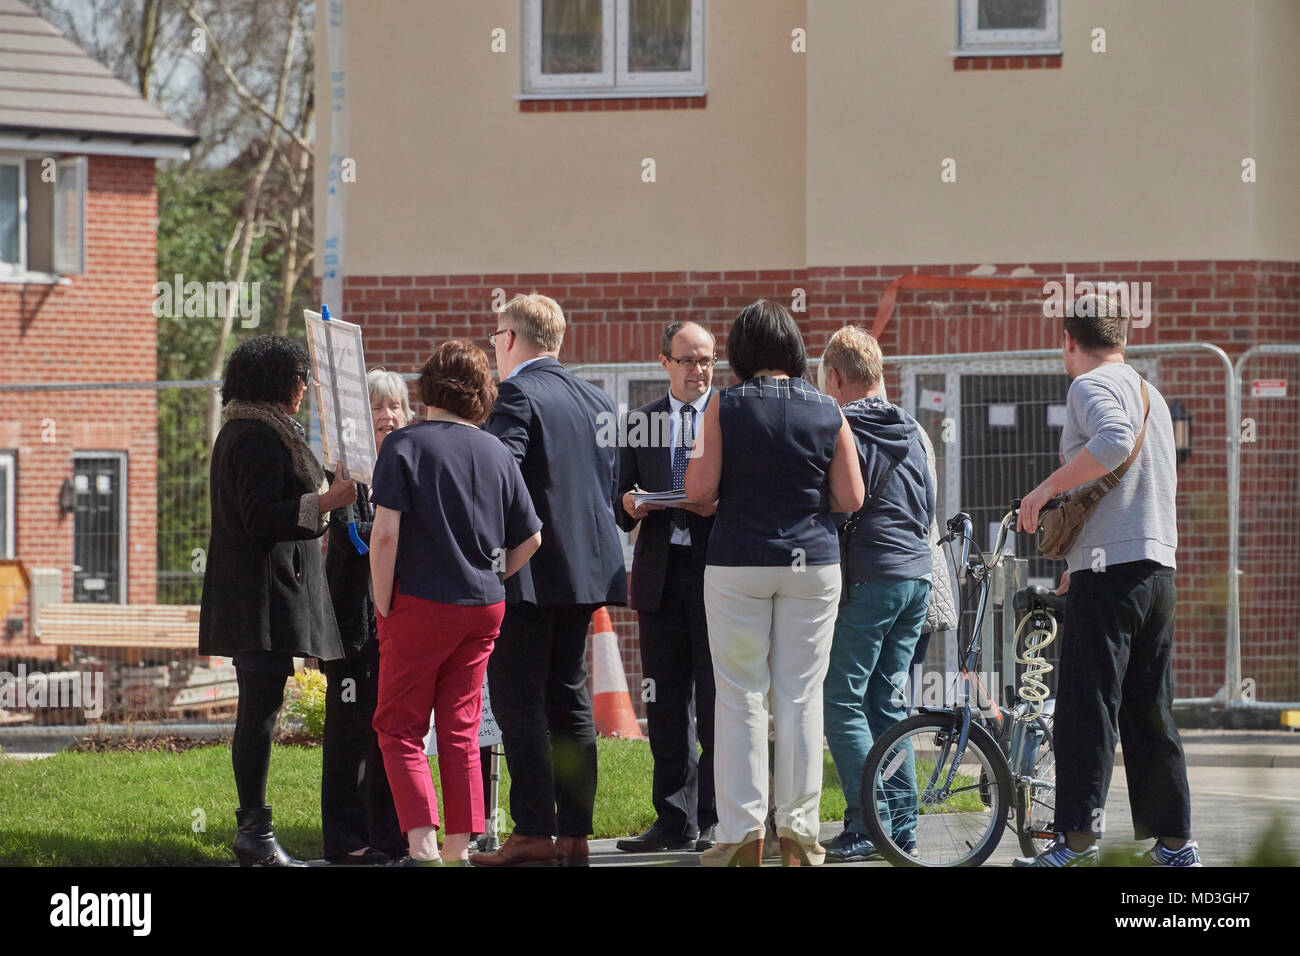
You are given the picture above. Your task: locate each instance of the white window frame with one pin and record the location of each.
(615, 81)
(972, 41)
(18, 268)
(9, 466)
(565, 83)
(123, 550)
(78, 165)
(667, 83)
(19, 273)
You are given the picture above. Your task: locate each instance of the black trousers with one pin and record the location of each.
(260, 696)
(538, 679)
(675, 658)
(356, 804)
(1116, 676)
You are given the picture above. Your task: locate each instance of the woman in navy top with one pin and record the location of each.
(778, 457)
(453, 519)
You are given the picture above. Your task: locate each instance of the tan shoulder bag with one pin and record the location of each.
(1061, 521)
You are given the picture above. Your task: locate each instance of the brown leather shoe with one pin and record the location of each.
(518, 850)
(571, 851)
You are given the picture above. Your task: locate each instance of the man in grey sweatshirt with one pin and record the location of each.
(1120, 599)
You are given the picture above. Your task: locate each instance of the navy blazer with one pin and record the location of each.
(550, 418)
(652, 469)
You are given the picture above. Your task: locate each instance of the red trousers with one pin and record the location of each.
(432, 658)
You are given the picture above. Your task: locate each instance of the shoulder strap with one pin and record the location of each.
(851, 525)
(1111, 479)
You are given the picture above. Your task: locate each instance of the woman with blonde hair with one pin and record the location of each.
(358, 820)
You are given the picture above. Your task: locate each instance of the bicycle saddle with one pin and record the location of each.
(1036, 596)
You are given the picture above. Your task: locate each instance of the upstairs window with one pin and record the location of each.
(593, 48)
(42, 216)
(1002, 27)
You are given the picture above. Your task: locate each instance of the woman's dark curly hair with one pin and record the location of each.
(458, 379)
(265, 369)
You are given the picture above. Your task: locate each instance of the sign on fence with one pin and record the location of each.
(339, 371)
(489, 733)
(1268, 388)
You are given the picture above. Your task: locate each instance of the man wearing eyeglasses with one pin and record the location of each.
(668, 596)
(547, 417)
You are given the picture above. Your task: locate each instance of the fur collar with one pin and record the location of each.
(306, 468)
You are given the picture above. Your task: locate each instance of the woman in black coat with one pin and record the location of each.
(265, 600)
(358, 820)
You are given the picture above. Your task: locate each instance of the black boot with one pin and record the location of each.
(255, 844)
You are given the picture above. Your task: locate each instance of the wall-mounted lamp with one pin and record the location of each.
(67, 498)
(1182, 420)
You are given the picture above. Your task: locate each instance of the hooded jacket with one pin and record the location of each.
(892, 541)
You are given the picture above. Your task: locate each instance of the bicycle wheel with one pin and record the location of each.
(1036, 798)
(924, 805)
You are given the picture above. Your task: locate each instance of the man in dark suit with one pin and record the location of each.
(668, 595)
(550, 420)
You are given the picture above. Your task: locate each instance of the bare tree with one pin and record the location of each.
(255, 203)
(240, 73)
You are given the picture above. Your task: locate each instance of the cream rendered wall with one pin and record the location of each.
(1130, 154)
(1276, 207)
(453, 178)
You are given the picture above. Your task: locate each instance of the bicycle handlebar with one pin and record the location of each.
(960, 525)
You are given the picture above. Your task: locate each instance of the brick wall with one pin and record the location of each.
(98, 327)
(617, 317)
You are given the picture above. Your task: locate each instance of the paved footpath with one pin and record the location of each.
(1241, 783)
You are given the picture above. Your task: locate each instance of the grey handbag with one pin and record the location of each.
(941, 615)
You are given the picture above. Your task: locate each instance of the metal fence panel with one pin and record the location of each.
(994, 419)
(1267, 521)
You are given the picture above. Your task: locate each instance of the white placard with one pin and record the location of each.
(1268, 388)
(1055, 416)
(81, 482)
(1002, 416)
(103, 484)
(489, 734)
(932, 400)
(338, 368)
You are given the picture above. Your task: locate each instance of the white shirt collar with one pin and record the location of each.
(675, 404)
(523, 365)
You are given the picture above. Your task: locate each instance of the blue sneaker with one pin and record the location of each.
(1060, 854)
(1188, 854)
(850, 847)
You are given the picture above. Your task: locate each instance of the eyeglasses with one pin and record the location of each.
(492, 336)
(703, 363)
(305, 378)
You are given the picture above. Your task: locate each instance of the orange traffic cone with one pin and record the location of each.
(611, 705)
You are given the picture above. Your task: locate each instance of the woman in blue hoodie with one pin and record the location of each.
(887, 570)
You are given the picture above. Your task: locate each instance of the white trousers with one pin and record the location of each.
(770, 632)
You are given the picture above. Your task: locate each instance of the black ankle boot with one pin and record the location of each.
(255, 844)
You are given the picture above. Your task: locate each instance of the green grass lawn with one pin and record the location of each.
(148, 808)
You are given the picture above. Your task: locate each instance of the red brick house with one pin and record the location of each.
(78, 240)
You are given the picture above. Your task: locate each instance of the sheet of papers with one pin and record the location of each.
(640, 497)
